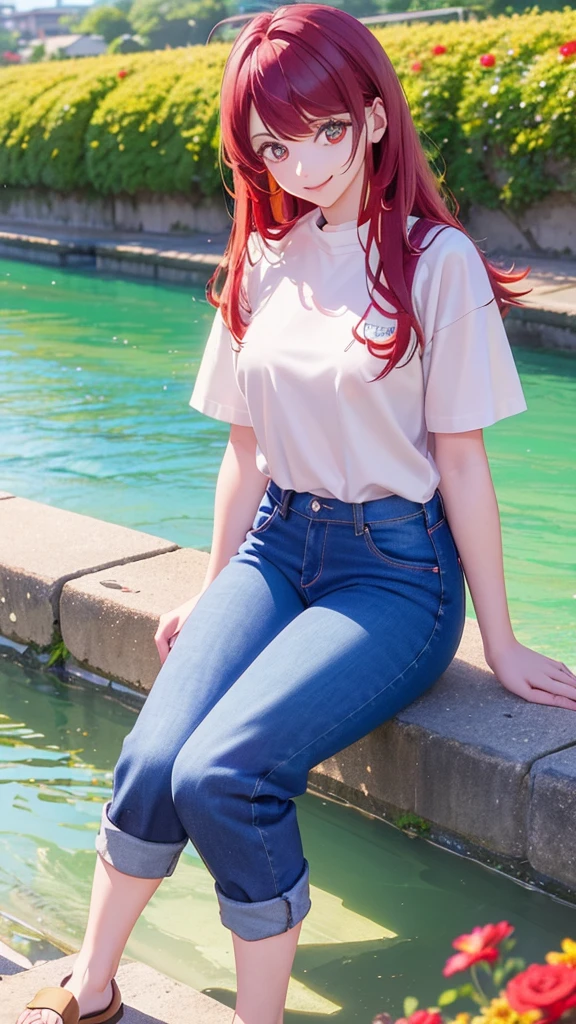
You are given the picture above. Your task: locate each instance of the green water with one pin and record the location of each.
(385, 908)
(96, 378)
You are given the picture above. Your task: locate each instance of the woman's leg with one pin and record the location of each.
(141, 835)
(350, 661)
(263, 971)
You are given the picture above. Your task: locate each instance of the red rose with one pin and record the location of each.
(480, 944)
(438, 50)
(550, 988)
(416, 66)
(568, 49)
(122, 73)
(422, 1017)
(487, 60)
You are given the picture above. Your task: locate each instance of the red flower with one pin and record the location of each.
(547, 987)
(487, 60)
(480, 944)
(416, 66)
(438, 50)
(422, 1017)
(122, 73)
(568, 49)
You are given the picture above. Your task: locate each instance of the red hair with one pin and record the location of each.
(307, 61)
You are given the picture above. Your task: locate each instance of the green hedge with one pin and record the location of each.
(503, 134)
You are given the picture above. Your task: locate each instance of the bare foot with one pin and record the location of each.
(90, 1002)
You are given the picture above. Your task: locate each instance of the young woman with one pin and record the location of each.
(357, 368)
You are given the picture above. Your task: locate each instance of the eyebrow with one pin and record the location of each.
(316, 120)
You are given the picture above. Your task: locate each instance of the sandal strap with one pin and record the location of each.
(59, 1000)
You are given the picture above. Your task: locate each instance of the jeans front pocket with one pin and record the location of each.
(404, 543)
(265, 516)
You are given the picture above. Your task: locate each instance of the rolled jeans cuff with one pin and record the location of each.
(133, 856)
(268, 917)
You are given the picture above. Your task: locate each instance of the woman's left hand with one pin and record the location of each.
(533, 676)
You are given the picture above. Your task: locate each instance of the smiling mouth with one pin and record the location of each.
(312, 188)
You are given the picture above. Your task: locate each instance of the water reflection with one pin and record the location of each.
(384, 907)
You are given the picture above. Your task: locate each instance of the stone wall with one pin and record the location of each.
(548, 227)
(150, 213)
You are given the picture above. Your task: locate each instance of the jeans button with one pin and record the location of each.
(315, 505)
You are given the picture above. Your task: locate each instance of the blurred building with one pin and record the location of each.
(39, 23)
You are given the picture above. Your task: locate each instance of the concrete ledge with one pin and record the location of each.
(151, 261)
(486, 768)
(149, 997)
(459, 757)
(42, 547)
(552, 821)
(111, 631)
(536, 327)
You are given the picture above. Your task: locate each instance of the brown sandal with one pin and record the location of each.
(63, 1002)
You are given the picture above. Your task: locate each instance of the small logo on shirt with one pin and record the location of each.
(375, 332)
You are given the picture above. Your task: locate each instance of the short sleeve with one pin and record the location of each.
(216, 391)
(470, 376)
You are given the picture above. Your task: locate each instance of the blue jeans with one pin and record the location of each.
(330, 618)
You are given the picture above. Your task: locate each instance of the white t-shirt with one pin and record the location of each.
(301, 379)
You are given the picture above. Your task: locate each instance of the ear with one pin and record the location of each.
(376, 120)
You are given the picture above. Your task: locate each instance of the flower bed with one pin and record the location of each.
(495, 102)
(537, 994)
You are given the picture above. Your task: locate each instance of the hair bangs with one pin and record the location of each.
(292, 86)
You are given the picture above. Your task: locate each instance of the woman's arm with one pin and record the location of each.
(239, 488)
(472, 512)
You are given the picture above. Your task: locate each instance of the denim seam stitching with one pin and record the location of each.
(310, 521)
(319, 573)
(267, 522)
(436, 525)
(356, 710)
(260, 833)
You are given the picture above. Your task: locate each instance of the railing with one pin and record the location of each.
(373, 19)
(377, 19)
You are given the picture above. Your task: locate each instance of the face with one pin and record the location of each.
(317, 167)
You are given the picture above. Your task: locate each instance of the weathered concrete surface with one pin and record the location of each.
(552, 821)
(548, 226)
(460, 756)
(150, 213)
(149, 997)
(41, 547)
(542, 328)
(11, 962)
(111, 631)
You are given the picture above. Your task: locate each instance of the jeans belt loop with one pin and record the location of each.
(358, 510)
(285, 502)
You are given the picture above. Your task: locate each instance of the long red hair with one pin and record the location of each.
(332, 63)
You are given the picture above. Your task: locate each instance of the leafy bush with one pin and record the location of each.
(495, 102)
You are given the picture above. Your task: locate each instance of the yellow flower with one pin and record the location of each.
(499, 1011)
(567, 957)
(462, 1018)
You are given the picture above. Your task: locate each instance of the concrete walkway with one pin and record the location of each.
(548, 320)
(149, 997)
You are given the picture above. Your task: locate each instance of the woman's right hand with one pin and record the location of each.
(170, 624)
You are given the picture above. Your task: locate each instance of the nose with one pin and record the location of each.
(300, 170)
